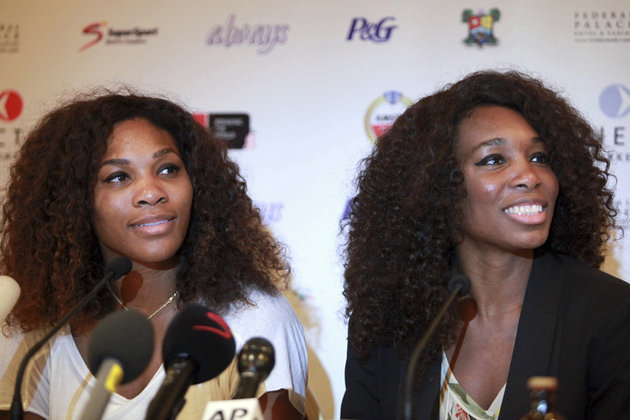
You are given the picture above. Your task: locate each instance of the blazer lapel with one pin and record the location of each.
(428, 397)
(535, 335)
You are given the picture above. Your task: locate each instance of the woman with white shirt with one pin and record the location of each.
(129, 175)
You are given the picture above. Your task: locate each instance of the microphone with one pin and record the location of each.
(120, 348)
(255, 362)
(9, 294)
(458, 285)
(116, 268)
(198, 345)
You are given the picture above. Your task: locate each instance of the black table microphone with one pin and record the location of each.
(119, 350)
(198, 345)
(255, 362)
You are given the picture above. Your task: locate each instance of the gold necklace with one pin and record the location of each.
(164, 305)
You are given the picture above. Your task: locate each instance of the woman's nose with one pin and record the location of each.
(525, 175)
(149, 193)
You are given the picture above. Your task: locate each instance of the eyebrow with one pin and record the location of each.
(497, 141)
(122, 161)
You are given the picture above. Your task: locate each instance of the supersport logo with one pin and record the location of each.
(93, 29)
(223, 330)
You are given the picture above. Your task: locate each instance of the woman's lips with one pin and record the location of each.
(154, 225)
(528, 210)
(531, 214)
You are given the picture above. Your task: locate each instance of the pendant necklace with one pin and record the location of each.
(164, 305)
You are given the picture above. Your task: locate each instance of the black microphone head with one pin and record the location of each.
(461, 280)
(257, 355)
(197, 333)
(126, 336)
(118, 267)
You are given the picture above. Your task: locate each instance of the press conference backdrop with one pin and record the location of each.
(301, 89)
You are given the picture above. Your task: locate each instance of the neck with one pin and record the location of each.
(145, 288)
(498, 279)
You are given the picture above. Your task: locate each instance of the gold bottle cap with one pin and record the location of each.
(542, 382)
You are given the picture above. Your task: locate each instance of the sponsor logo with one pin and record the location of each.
(617, 136)
(481, 27)
(346, 210)
(271, 212)
(382, 113)
(614, 101)
(623, 212)
(99, 32)
(9, 37)
(367, 31)
(11, 105)
(232, 128)
(10, 141)
(261, 36)
(601, 26)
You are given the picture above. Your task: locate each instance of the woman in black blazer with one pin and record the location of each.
(499, 178)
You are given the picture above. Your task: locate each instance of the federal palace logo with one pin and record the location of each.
(601, 26)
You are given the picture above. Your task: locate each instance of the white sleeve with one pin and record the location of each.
(40, 404)
(9, 360)
(273, 318)
(35, 383)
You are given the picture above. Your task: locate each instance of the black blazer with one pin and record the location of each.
(574, 325)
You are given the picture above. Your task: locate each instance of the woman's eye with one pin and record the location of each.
(116, 177)
(169, 169)
(493, 159)
(540, 157)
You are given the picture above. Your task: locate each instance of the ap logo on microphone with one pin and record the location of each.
(245, 409)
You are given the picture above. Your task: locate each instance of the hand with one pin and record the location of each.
(275, 405)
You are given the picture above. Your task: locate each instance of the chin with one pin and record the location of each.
(530, 246)
(160, 261)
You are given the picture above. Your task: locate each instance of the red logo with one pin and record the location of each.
(223, 330)
(93, 29)
(11, 105)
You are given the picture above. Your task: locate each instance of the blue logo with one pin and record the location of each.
(615, 101)
(376, 32)
(347, 209)
(271, 212)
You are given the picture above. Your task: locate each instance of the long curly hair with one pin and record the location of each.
(405, 220)
(49, 245)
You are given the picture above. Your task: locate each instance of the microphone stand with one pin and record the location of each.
(458, 285)
(17, 411)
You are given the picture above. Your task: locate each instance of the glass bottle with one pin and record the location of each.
(542, 394)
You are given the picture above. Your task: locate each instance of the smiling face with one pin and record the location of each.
(510, 187)
(143, 195)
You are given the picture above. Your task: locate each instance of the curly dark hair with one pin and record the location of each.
(49, 245)
(405, 220)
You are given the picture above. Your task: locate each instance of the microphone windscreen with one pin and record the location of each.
(463, 281)
(118, 267)
(201, 335)
(257, 355)
(9, 294)
(126, 336)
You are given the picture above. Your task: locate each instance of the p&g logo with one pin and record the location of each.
(376, 32)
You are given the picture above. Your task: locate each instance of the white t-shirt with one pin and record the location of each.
(61, 383)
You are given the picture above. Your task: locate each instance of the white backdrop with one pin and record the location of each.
(310, 74)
